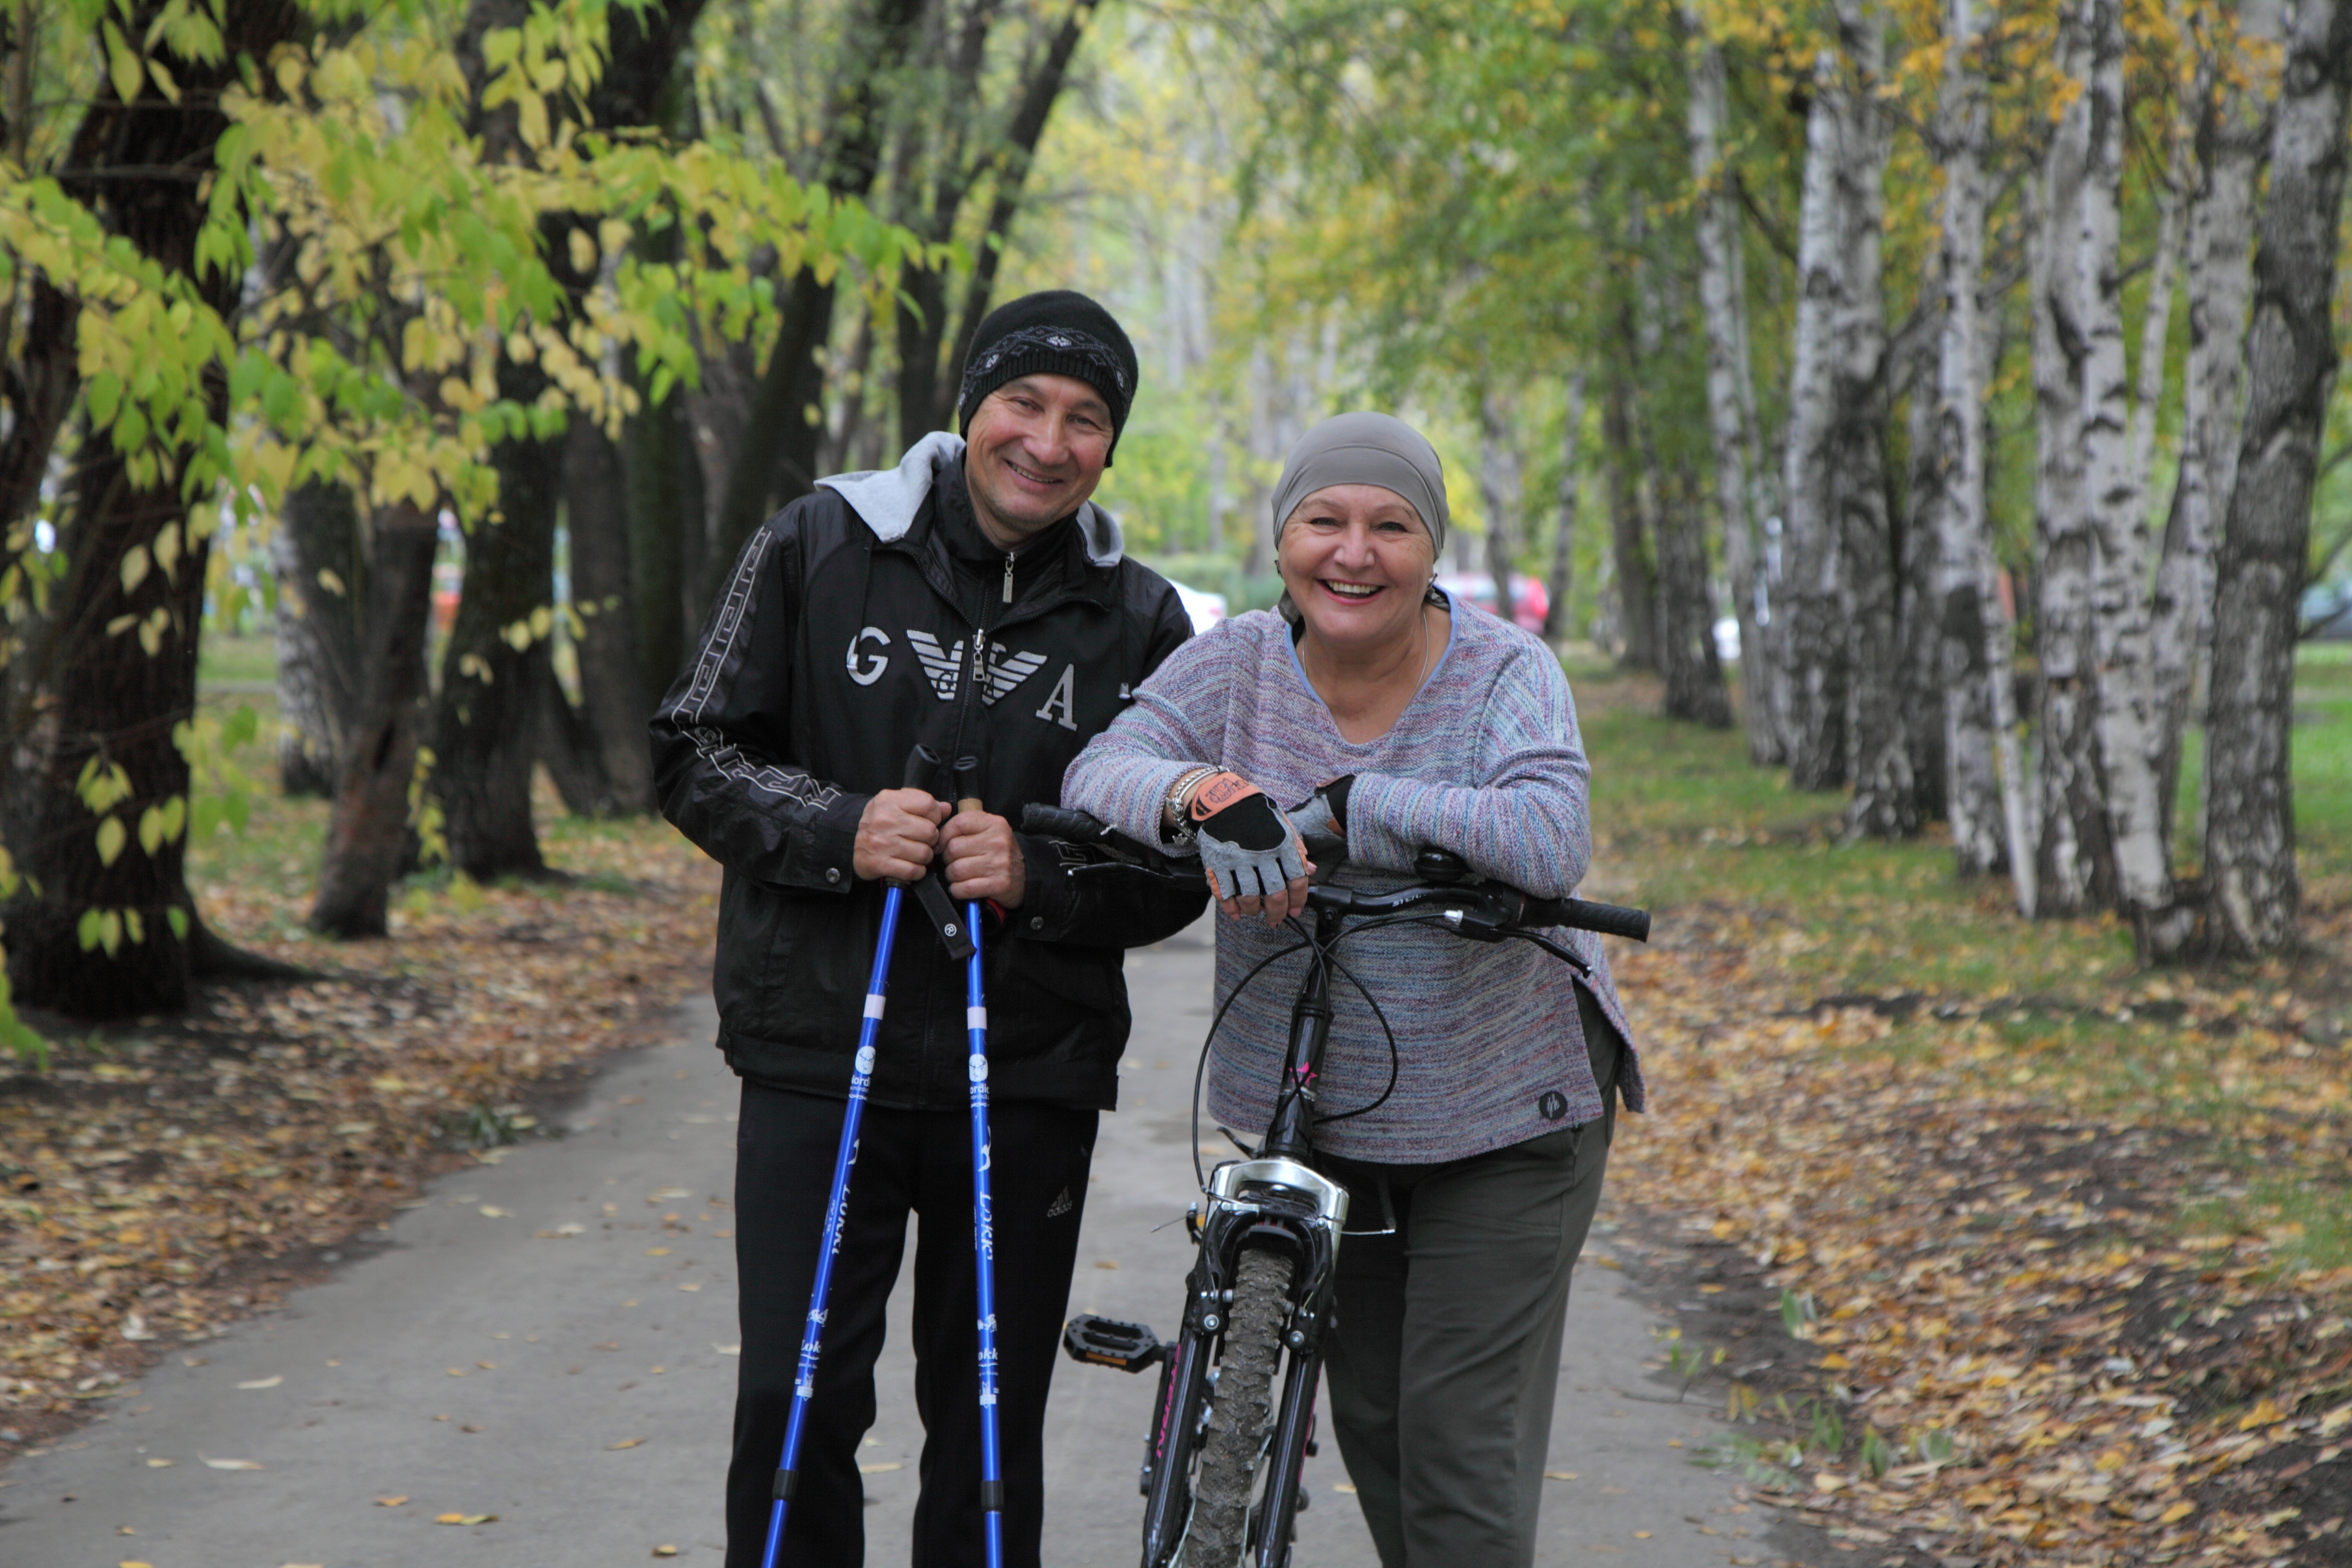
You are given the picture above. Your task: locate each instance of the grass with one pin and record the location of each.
(2055, 1014)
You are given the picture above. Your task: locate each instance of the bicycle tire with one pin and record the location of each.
(1226, 1475)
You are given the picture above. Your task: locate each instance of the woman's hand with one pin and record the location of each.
(1254, 860)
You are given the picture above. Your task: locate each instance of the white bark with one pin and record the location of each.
(1726, 333)
(2071, 851)
(2219, 266)
(1817, 675)
(2127, 726)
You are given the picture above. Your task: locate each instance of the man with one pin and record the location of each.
(973, 599)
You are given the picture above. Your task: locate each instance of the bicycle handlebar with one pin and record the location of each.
(1480, 905)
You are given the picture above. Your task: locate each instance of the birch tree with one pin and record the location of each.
(1561, 577)
(1723, 310)
(2073, 865)
(2291, 359)
(2117, 510)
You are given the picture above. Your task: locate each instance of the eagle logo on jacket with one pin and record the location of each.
(1004, 671)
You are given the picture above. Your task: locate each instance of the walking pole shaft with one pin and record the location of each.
(861, 1078)
(992, 1465)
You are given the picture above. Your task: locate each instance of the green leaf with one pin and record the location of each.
(87, 928)
(105, 395)
(111, 835)
(177, 918)
(123, 69)
(109, 932)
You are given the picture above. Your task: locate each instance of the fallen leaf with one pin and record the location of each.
(624, 1443)
(728, 1349)
(195, 1361)
(394, 1502)
(656, 1251)
(1104, 1263)
(492, 1211)
(884, 1468)
(1640, 1535)
(464, 1519)
(160, 1464)
(689, 1285)
(608, 1345)
(488, 1366)
(1347, 1486)
(127, 1563)
(231, 1464)
(456, 1371)
(469, 1428)
(665, 1550)
(264, 1382)
(2176, 1513)
(134, 1327)
(1560, 1475)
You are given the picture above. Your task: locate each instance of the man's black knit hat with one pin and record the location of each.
(1059, 333)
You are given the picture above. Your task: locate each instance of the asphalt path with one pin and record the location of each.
(535, 1363)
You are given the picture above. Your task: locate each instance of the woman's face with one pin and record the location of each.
(1357, 562)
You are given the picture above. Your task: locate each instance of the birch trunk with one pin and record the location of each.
(2073, 867)
(2290, 359)
(1563, 538)
(2220, 264)
(1886, 799)
(1923, 634)
(1720, 306)
(1502, 490)
(1816, 673)
(1636, 587)
(2125, 694)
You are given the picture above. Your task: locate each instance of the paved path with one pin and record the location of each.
(549, 1341)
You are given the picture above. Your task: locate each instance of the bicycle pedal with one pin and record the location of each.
(1107, 1341)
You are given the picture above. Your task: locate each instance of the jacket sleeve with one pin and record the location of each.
(1525, 821)
(722, 769)
(1077, 898)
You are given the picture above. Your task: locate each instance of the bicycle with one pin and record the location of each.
(1223, 1457)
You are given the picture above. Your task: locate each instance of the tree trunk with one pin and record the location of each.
(1922, 596)
(775, 461)
(668, 519)
(1886, 798)
(2290, 370)
(1636, 588)
(2221, 223)
(369, 832)
(484, 721)
(1563, 537)
(2126, 720)
(315, 553)
(84, 695)
(2076, 868)
(1720, 306)
(1816, 640)
(1983, 793)
(1691, 663)
(613, 702)
(1501, 490)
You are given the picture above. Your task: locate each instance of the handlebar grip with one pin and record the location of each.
(1055, 823)
(1608, 919)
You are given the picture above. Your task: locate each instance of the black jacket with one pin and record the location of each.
(842, 638)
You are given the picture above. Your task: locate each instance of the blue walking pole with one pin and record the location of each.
(920, 767)
(991, 1467)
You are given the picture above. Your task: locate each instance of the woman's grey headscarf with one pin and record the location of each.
(1364, 449)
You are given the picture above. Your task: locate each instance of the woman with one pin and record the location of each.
(1401, 719)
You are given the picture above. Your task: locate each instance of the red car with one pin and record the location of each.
(1530, 600)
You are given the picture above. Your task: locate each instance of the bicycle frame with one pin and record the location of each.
(1274, 1196)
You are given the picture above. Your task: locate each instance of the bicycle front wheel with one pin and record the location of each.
(1233, 1450)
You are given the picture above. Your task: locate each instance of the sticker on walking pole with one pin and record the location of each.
(979, 1068)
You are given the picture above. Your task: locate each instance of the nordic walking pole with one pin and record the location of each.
(991, 1469)
(921, 765)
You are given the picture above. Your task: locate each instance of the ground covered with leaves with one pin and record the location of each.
(159, 1179)
(1995, 1248)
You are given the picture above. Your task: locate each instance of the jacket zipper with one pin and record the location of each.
(1008, 575)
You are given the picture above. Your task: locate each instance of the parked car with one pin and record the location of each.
(1530, 603)
(1206, 609)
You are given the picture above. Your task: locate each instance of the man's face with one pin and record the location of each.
(1035, 449)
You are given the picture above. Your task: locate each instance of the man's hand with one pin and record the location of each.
(983, 859)
(896, 835)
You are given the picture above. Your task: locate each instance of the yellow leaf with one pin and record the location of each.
(583, 251)
(122, 67)
(393, 1501)
(2176, 1513)
(2266, 1414)
(884, 1468)
(624, 1443)
(656, 1251)
(110, 837)
(264, 1382)
(135, 562)
(1833, 1362)
(333, 584)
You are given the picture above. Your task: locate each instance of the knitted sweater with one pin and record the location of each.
(1485, 762)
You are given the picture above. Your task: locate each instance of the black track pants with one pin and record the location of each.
(908, 1161)
(1445, 1349)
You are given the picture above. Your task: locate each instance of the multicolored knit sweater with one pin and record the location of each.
(1485, 762)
